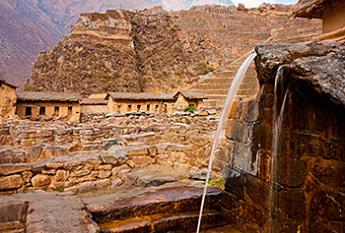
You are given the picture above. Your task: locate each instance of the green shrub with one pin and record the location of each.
(61, 190)
(190, 109)
(205, 69)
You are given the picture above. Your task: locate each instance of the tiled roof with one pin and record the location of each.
(49, 96)
(155, 96)
(191, 94)
(140, 96)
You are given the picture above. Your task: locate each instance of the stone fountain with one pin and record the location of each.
(310, 171)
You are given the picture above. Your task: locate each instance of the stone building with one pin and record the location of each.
(8, 99)
(185, 99)
(49, 106)
(122, 102)
(332, 13)
(69, 106)
(94, 106)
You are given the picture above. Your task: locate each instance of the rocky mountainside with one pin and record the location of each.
(25, 29)
(118, 51)
(154, 50)
(30, 26)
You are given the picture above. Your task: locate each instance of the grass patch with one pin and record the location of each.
(190, 109)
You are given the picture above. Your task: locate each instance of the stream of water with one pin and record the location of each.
(280, 97)
(229, 102)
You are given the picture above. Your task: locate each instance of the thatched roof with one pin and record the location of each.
(140, 96)
(49, 96)
(93, 102)
(311, 8)
(2, 81)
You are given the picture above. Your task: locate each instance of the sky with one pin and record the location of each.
(182, 4)
(255, 3)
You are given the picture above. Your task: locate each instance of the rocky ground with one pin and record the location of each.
(167, 208)
(108, 173)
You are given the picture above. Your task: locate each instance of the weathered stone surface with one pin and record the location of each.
(93, 185)
(11, 182)
(12, 227)
(104, 174)
(270, 57)
(13, 211)
(320, 65)
(237, 131)
(61, 175)
(40, 180)
(328, 205)
(27, 175)
(8, 155)
(310, 157)
(9, 169)
(48, 212)
(112, 158)
(129, 205)
(180, 142)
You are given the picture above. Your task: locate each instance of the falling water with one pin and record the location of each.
(280, 97)
(225, 113)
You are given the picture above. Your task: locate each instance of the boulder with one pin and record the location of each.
(9, 169)
(319, 65)
(40, 180)
(11, 155)
(11, 182)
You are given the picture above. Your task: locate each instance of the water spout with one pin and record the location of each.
(224, 116)
(280, 98)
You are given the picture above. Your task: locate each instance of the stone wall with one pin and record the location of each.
(94, 108)
(66, 110)
(309, 194)
(83, 172)
(8, 100)
(334, 16)
(60, 155)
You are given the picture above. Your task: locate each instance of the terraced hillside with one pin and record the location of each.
(247, 29)
(154, 50)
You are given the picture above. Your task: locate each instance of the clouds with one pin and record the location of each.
(175, 4)
(255, 3)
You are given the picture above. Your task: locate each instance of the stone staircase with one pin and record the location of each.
(215, 86)
(169, 209)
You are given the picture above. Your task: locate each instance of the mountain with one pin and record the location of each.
(156, 50)
(31, 26)
(25, 30)
(119, 51)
